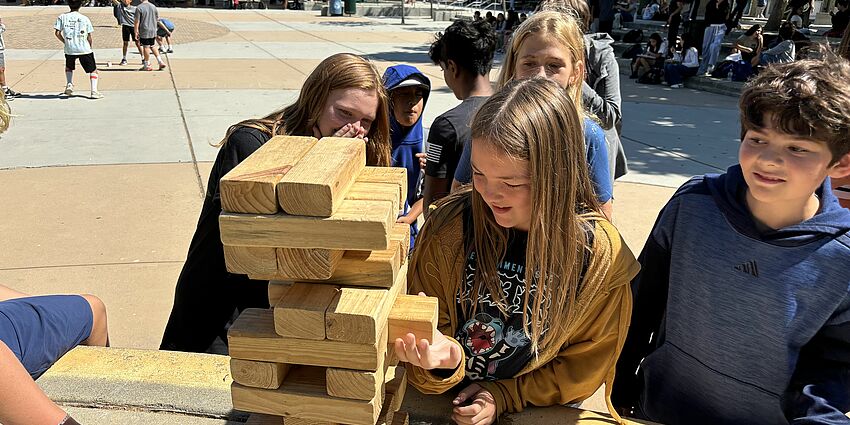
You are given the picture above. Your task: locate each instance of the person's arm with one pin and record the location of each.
(91, 43)
(136, 20)
(412, 214)
(599, 172)
(59, 36)
(442, 152)
(819, 392)
(22, 402)
(605, 102)
(741, 47)
(649, 292)
(7, 293)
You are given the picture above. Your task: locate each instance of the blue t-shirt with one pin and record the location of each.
(597, 161)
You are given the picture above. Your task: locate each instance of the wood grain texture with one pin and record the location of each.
(317, 184)
(296, 263)
(258, 374)
(300, 313)
(368, 191)
(395, 175)
(276, 290)
(250, 187)
(360, 314)
(252, 337)
(361, 384)
(357, 225)
(401, 234)
(413, 314)
(302, 395)
(261, 419)
(250, 260)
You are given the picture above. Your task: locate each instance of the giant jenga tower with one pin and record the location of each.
(314, 220)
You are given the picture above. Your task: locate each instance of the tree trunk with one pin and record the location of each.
(777, 9)
(844, 49)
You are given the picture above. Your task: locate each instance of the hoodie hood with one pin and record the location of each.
(393, 76)
(729, 192)
(599, 50)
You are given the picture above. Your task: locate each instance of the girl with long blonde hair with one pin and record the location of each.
(533, 281)
(550, 44)
(342, 97)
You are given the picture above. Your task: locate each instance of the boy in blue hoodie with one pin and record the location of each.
(408, 90)
(742, 305)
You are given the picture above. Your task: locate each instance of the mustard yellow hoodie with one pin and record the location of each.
(578, 361)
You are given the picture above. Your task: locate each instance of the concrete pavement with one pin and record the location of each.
(102, 196)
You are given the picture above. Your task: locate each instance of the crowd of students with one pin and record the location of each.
(736, 311)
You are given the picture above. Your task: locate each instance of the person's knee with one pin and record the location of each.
(99, 333)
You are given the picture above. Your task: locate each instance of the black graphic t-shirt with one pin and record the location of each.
(495, 344)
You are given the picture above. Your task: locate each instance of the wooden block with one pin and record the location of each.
(299, 421)
(397, 386)
(401, 233)
(277, 288)
(300, 313)
(250, 260)
(252, 337)
(414, 314)
(361, 384)
(297, 263)
(368, 191)
(302, 395)
(360, 314)
(317, 184)
(396, 175)
(400, 418)
(261, 419)
(250, 187)
(258, 374)
(357, 225)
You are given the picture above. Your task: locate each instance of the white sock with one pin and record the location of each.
(93, 78)
(69, 77)
(159, 59)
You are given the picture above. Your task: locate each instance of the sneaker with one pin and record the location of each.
(676, 86)
(145, 68)
(10, 93)
(169, 50)
(161, 50)
(69, 90)
(162, 66)
(96, 95)
(123, 62)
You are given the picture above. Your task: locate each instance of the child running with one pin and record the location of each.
(532, 279)
(74, 30)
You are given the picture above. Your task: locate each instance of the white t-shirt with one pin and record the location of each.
(75, 29)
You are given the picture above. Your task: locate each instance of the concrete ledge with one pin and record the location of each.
(162, 381)
(112, 385)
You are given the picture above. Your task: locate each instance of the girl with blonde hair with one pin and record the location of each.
(550, 44)
(533, 281)
(342, 97)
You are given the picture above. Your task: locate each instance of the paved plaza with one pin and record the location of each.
(102, 196)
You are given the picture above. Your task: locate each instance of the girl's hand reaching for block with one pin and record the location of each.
(442, 353)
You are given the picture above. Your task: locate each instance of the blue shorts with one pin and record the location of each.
(40, 330)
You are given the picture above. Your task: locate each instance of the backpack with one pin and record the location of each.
(722, 69)
(633, 36)
(633, 51)
(741, 71)
(653, 76)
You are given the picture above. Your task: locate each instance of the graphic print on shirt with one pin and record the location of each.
(495, 344)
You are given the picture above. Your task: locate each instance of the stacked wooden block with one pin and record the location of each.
(314, 220)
